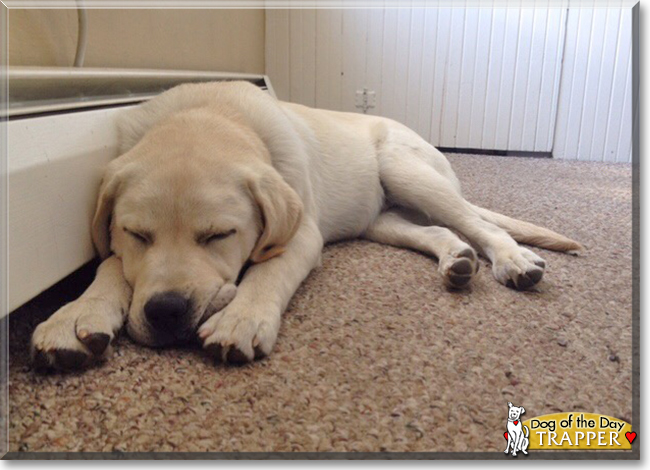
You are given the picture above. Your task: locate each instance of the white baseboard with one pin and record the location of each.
(55, 166)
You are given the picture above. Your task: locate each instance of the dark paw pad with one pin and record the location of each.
(215, 351)
(457, 282)
(462, 266)
(96, 342)
(41, 361)
(460, 273)
(236, 357)
(526, 280)
(233, 355)
(68, 359)
(259, 354)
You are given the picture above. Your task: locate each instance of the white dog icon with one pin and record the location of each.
(516, 438)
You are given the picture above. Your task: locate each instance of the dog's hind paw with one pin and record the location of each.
(458, 268)
(76, 336)
(519, 269)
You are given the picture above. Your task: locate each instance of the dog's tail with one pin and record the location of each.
(526, 432)
(530, 234)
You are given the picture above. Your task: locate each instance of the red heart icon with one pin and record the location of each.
(630, 436)
(516, 422)
(505, 434)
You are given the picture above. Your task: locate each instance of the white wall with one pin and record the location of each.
(212, 40)
(595, 104)
(468, 78)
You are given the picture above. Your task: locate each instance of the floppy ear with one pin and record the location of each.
(102, 219)
(522, 410)
(509, 404)
(281, 211)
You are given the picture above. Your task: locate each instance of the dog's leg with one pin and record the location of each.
(509, 444)
(248, 327)
(412, 182)
(457, 260)
(524, 445)
(523, 442)
(81, 331)
(517, 444)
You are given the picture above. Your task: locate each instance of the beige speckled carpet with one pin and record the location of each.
(374, 353)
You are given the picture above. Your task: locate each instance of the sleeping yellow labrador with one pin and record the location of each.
(213, 178)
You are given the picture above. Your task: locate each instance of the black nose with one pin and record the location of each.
(168, 311)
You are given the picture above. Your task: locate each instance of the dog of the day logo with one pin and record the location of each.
(566, 431)
(516, 434)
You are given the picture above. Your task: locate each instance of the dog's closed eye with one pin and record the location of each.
(142, 236)
(209, 237)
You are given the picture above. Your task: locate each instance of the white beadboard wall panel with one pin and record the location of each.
(550, 80)
(403, 40)
(606, 83)
(492, 97)
(441, 61)
(277, 49)
(535, 72)
(625, 134)
(506, 84)
(520, 98)
(480, 79)
(427, 72)
(576, 87)
(297, 56)
(593, 75)
(451, 83)
(523, 79)
(414, 71)
(328, 58)
(594, 119)
(355, 34)
(386, 96)
(375, 57)
(467, 81)
(618, 142)
(309, 57)
(619, 119)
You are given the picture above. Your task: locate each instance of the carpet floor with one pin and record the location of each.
(374, 353)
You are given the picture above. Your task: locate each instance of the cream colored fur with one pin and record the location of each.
(211, 176)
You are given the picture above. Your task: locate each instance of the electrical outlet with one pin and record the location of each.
(365, 99)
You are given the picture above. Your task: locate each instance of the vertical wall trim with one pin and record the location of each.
(558, 81)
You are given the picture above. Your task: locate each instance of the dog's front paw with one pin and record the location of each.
(519, 268)
(74, 337)
(238, 336)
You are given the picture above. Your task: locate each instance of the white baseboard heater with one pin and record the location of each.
(61, 133)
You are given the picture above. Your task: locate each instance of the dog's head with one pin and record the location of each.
(514, 412)
(185, 209)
